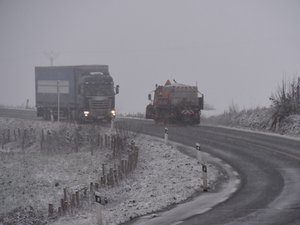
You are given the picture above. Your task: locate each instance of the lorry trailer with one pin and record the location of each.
(75, 93)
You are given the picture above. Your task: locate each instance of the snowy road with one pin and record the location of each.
(269, 166)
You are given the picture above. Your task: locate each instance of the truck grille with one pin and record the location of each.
(100, 104)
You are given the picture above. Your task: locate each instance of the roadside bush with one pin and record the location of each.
(285, 101)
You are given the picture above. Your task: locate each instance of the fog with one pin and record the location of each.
(235, 50)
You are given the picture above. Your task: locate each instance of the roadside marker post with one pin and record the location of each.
(101, 202)
(204, 177)
(166, 135)
(198, 148)
(204, 167)
(132, 144)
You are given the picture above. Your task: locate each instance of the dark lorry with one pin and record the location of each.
(80, 93)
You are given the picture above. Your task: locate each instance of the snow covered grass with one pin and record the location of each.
(34, 177)
(291, 126)
(257, 119)
(164, 176)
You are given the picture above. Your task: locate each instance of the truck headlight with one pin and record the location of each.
(113, 113)
(86, 113)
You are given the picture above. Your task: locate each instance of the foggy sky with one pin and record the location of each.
(235, 50)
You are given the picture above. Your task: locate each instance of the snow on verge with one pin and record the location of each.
(164, 177)
(31, 178)
(259, 119)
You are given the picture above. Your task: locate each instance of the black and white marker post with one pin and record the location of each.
(101, 201)
(204, 177)
(166, 135)
(198, 148)
(204, 167)
(132, 144)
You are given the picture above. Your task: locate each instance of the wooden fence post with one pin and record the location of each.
(85, 192)
(111, 176)
(65, 195)
(3, 139)
(50, 210)
(129, 161)
(72, 203)
(76, 140)
(119, 173)
(77, 199)
(62, 205)
(65, 200)
(42, 140)
(136, 157)
(113, 146)
(108, 142)
(107, 179)
(59, 211)
(23, 139)
(98, 139)
(126, 167)
(101, 141)
(102, 180)
(92, 150)
(15, 135)
(91, 187)
(115, 174)
(123, 166)
(105, 140)
(103, 169)
(96, 186)
(8, 135)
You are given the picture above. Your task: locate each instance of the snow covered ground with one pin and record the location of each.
(164, 177)
(259, 119)
(31, 179)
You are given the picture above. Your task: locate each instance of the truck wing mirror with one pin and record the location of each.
(117, 89)
(149, 97)
(201, 102)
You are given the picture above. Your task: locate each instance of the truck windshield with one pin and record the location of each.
(98, 89)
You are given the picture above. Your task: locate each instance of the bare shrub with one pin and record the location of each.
(285, 101)
(233, 108)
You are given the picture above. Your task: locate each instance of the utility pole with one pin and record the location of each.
(51, 56)
(58, 100)
(27, 103)
(298, 92)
